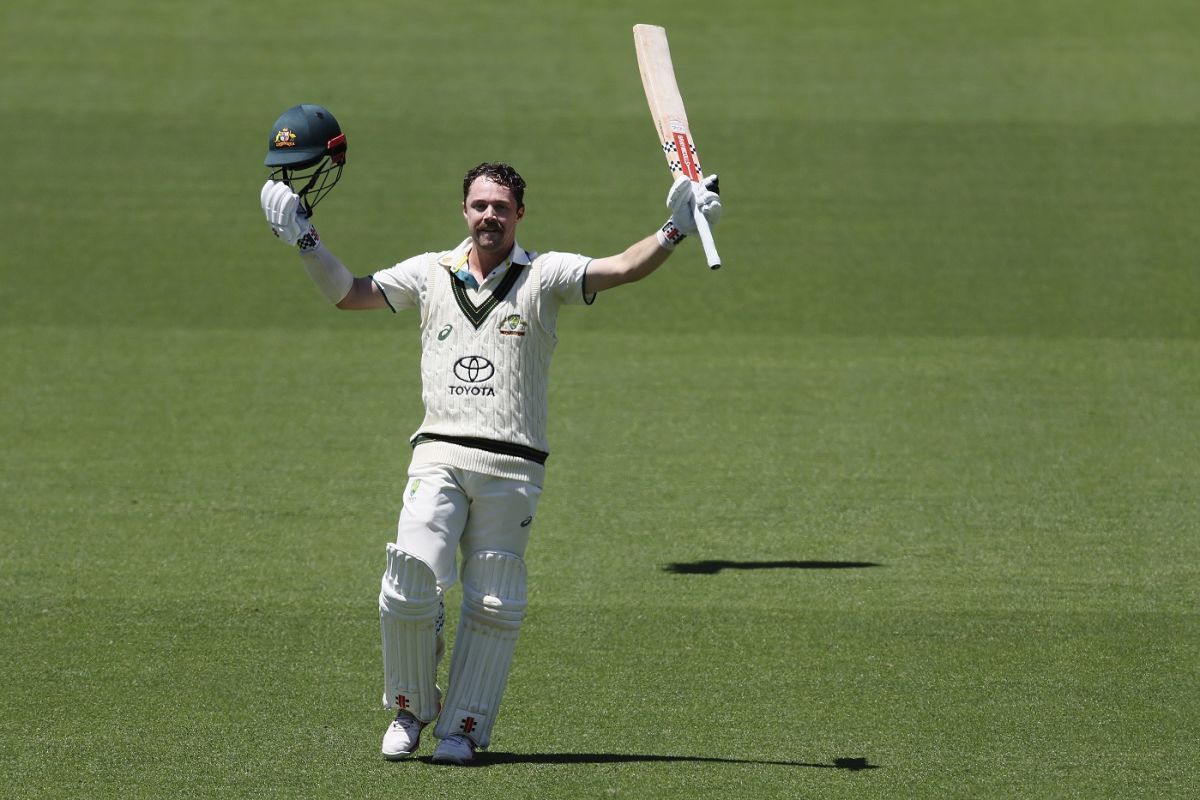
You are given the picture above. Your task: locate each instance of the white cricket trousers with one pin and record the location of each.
(447, 509)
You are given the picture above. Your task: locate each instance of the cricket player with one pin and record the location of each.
(487, 310)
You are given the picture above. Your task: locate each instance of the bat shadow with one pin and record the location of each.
(712, 567)
(500, 759)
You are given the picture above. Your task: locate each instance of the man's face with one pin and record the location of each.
(492, 215)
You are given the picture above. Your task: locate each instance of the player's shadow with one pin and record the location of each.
(494, 759)
(714, 566)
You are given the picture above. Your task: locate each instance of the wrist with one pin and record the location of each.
(669, 235)
(309, 240)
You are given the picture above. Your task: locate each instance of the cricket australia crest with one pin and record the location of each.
(513, 325)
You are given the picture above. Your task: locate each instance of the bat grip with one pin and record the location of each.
(706, 238)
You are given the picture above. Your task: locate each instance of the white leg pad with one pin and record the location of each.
(409, 607)
(494, 600)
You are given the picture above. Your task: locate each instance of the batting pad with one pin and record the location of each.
(408, 610)
(493, 608)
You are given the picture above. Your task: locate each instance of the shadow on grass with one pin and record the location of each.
(713, 567)
(493, 759)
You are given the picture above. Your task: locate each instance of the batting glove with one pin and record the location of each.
(282, 208)
(683, 198)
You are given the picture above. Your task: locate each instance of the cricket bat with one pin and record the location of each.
(666, 107)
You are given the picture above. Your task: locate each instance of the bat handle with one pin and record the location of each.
(706, 238)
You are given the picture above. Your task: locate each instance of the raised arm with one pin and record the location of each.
(636, 262)
(282, 208)
(643, 257)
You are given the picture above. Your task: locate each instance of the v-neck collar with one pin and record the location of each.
(454, 261)
(478, 313)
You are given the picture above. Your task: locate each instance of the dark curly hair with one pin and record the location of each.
(499, 173)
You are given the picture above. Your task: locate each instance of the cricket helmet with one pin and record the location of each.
(307, 151)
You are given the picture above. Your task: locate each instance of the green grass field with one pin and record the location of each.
(901, 503)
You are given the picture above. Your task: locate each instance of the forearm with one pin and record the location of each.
(329, 275)
(636, 262)
(641, 258)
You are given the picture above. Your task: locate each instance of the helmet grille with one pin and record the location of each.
(314, 182)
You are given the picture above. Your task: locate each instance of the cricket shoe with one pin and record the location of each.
(402, 737)
(456, 749)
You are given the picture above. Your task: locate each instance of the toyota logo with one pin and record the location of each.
(474, 369)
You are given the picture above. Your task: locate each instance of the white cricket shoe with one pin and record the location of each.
(402, 737)
(456, 749)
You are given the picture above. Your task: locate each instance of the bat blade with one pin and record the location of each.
(670, 118)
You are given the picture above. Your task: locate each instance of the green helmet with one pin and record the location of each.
(307, 149)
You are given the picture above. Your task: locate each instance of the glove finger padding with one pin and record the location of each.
(681, 199)
(708, 199)
(687, 195)
(679, 195)
(264, 197)
(280, 205)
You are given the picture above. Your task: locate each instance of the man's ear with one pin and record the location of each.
(520, 212)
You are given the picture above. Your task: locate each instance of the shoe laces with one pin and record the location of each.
(407, 722)
(460, 740)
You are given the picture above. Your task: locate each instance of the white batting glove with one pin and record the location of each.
(282, 208)
(683, 198)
